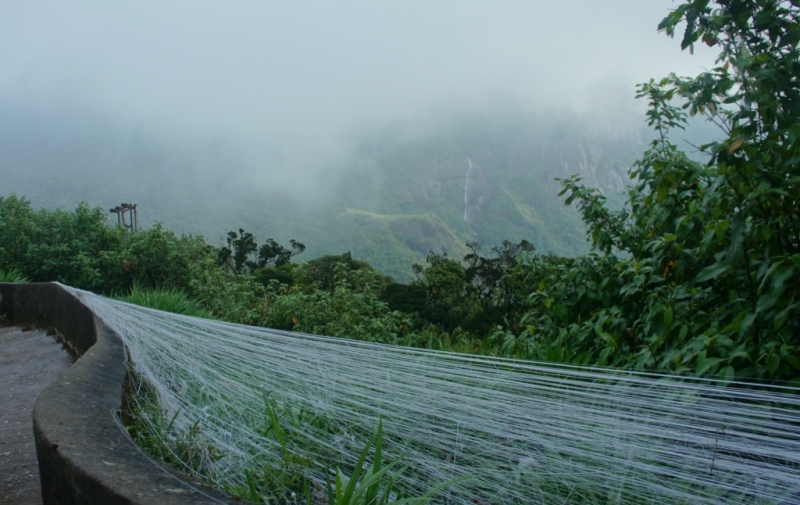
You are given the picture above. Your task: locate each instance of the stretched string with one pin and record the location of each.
(524, 432)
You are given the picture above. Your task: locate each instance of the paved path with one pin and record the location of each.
(29, 361)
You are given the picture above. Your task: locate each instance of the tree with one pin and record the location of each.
(493, 276)
(450, 300)
(243, 246)
(237, 254)
(706, 256)
(273, 252)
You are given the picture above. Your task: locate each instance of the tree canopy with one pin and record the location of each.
(699, 271)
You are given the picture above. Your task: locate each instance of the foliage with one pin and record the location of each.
(350, 308)
(282, 274)
(80, 249)
(158, 258)
(332, 295)
(376, 485)
(242, 247)
(58, 245)
(228, 296)
(698, 273)
(489, 274)
(476, 294)
(12, 276)
(166, 299)
(156, 434)
(274, 253)
(236, 255)
(323, 273)
(408, 298)
(449, 299)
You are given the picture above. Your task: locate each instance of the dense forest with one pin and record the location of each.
(695, 271)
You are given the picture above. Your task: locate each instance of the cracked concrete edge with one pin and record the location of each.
(84, 456)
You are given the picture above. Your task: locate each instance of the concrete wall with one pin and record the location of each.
(84, 455)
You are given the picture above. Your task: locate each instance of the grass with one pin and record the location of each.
(286, 466)
(282, 480)
(377, 485)
(166, 299)
(12, 276)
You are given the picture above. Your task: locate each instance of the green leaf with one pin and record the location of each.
(668, 317)
(661, 195)
(778, 273)
(782, 316)
(707, 365)
(608, 338)
(768, 299)
(359, 467)
(727, 373)
(720, 230)
(794, 132)
(740, 354)
(773, 361)
(712, 272)
(747, 322)
(602, 359)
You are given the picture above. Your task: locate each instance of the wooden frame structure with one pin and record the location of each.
(132, 220)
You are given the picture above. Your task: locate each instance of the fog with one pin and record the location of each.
(287, 88)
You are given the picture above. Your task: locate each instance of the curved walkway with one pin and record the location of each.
(29, 361)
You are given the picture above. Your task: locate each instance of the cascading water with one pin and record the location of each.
(466, 188)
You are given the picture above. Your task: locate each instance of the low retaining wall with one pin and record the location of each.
(84, 456)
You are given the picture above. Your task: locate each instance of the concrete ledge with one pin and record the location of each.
(84, 457)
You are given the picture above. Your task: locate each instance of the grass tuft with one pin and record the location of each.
(169, 300)
(13, 276)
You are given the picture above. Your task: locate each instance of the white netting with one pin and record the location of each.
(524, 432)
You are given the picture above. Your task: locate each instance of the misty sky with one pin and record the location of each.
(285, 83)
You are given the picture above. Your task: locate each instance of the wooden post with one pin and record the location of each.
(133, 215)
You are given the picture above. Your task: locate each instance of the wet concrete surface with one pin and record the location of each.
(29, 361)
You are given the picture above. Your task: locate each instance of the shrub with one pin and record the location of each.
(166, 299)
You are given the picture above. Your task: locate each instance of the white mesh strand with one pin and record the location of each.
(524, 432)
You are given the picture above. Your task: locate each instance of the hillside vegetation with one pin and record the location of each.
(696, 271)
(485, 180)
(394, 199)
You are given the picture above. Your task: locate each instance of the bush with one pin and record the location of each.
(82, 249)
(699, 273)
(351, 310)
(408, 298)
(282, 274)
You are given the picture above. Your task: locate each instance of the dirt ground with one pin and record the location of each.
(29, 361)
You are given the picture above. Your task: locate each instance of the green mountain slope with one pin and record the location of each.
(398, 197)
(509, 192)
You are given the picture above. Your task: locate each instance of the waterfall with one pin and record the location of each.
(466, 188)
